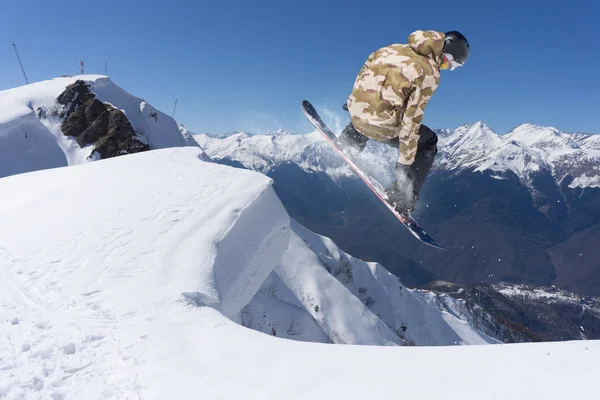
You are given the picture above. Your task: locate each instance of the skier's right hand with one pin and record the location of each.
(400, 193)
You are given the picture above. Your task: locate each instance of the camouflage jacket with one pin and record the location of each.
(393, 88)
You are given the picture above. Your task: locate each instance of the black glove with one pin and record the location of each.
(401, 193)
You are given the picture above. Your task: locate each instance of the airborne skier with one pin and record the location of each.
(387, 104)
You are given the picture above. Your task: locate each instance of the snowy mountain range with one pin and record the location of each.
(520, 207)
(524, 151)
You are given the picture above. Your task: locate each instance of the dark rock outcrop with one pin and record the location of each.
(95, 123)
(74, 96)
(120, 139)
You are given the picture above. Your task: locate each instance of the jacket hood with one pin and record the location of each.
(428, 43)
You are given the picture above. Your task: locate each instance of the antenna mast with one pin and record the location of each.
(20, 63)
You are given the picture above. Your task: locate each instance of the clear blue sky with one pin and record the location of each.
(247, 64)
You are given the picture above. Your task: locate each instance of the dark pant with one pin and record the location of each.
(426, 150)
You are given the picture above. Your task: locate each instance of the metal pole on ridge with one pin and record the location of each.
(20, 63)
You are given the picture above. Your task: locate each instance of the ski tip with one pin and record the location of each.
(429, 241)
(437, 246)
(418, 232)
(308, 109)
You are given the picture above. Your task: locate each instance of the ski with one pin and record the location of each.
(409, 223)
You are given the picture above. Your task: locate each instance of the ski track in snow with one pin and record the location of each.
(75, 287)
(50, 352)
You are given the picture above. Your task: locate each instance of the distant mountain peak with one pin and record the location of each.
(476, 129)
(280, 132)
(477, 139)
(543, 137)
(478, 125)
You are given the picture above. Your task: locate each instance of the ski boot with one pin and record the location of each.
(351, 140)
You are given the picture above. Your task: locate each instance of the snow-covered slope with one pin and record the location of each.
(403, 310)
(318, 291)
(26, 144)
(187, 135)
(218, 276)
(30, 134)
(587, 140)
(546, 138)
(138, 296)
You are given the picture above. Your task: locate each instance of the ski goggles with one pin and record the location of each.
(450, 63)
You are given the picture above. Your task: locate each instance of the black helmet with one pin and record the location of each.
(456, 44)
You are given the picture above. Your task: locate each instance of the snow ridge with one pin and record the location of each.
(114, 303)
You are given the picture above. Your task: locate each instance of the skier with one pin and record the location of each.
(388, 101)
